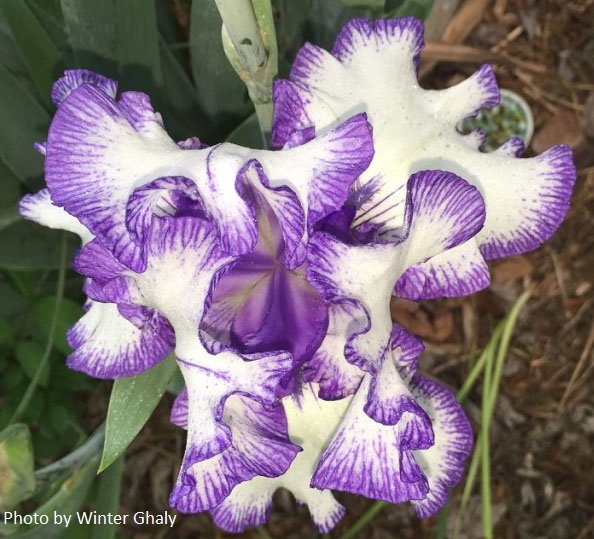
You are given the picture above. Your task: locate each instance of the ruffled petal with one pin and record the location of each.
(375, 460)
(310, 420)
(459, 271)
(335, 376)
(373, 64)
(217, 458)
(95, 159)
(526, 199)
(39, 207)
(165, 196)
(107, 345)
(75, 78)
(321, 171)
(442, 211)
(187, 248)
(442, 463)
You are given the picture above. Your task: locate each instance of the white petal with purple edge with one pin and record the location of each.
(109, 346)
(374, 63)
(336, 377)
(95, 159)
(311, 421)
(375, 460)
(461, 270)
(442, 211)
(75, 78)
(322, 170)
(39, 207)
(257, 433)
(443, 463)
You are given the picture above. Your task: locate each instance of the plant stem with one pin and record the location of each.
(249, 41)
(22, 407)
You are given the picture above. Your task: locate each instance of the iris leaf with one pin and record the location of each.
(248, 133)
(221, 93)
(42, 57)
(117, 39)
(28, 246)
(25, 122)
(185, 117)
(411, 8)
(131, 404)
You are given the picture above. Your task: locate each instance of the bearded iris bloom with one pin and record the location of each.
(270, 273)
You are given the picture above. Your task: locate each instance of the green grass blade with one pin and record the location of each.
(42, 57)
(484, 449)
(492, 360)
(478, 367)
(363, 520)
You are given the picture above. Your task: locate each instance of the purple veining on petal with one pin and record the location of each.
(441, 197)
(234, 424)
(107, 345)
(290, 115)
(301, 136)
(408, 32)
(513, 147)
(164, 196)
(138, 110)
(485, 79)
(352, 140)
(75, 78)
(337, 378)
(544, 211)
(235, 514)
(86, 167)
(281, 205)
(257, 433)
(443, 463)
(309, 59)
(98, 263)
(370, 459)
(459, 272)
(179, 410)
(409, 347)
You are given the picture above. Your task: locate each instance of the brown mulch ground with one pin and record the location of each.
(543, 434)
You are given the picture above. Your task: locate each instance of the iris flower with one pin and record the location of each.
(270, 273)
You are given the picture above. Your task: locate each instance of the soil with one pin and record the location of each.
(542, 439)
